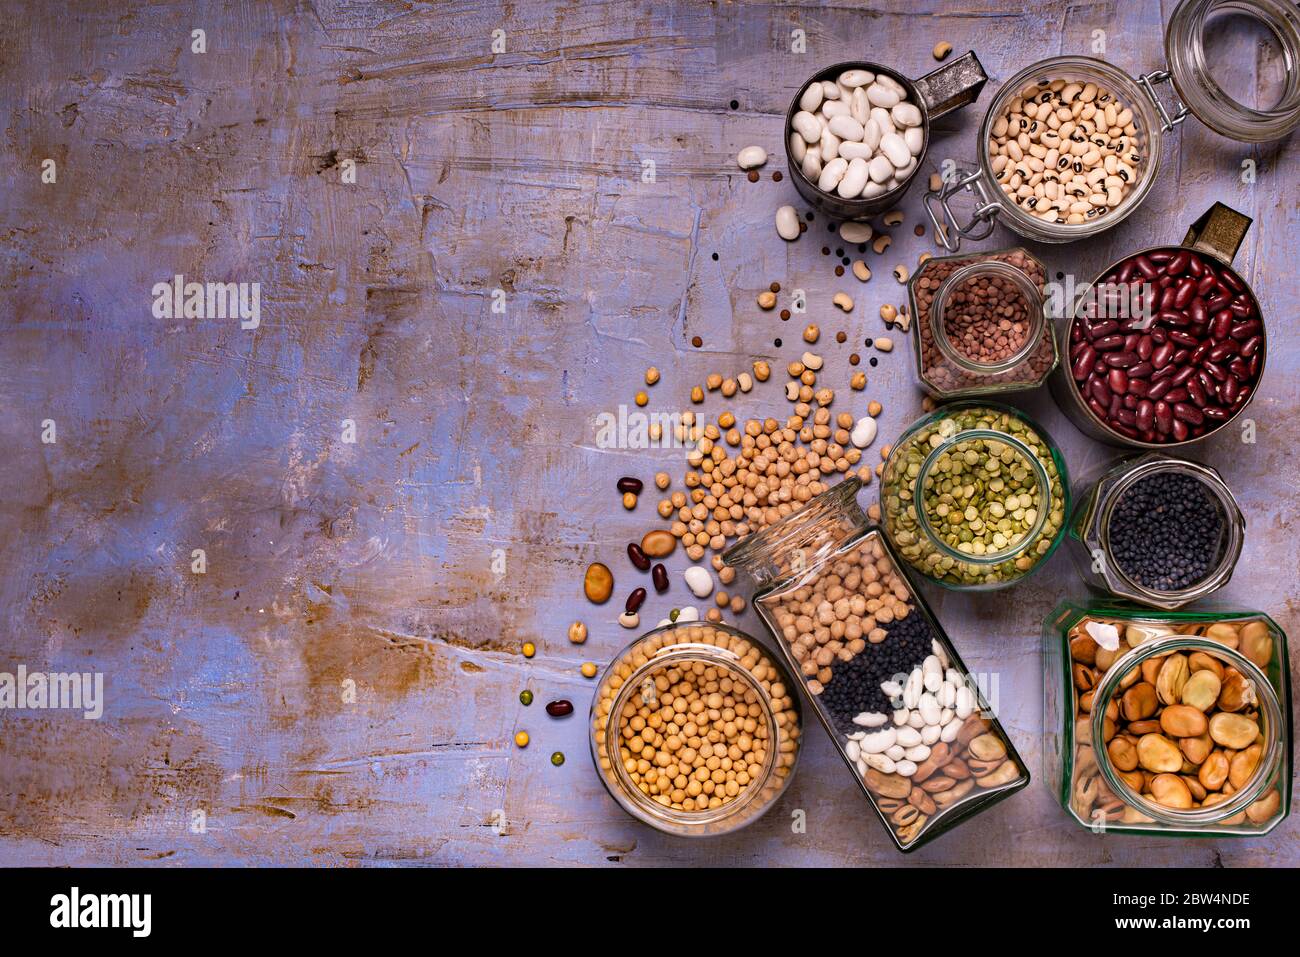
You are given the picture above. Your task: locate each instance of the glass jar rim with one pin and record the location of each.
(666, 657)
(1020, 221)
(1033, 299)
(1265, 695)
(1223, 497)
(1024, 451)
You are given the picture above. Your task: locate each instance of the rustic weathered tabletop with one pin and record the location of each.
(464, 256)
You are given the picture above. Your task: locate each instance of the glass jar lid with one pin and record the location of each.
(1200, 55)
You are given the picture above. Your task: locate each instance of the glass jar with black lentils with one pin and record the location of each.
(907, 717)
(1157, 530)
(974, 496)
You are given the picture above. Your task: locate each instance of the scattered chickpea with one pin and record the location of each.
(521, 739)
(726, 420)
(762, 370)
(629, 500)
(873, 511)
(766, 299)
(809, 377)
(726, 574)
(728, 387)
(529, 649)
(927, 404)
(858, 382)
(588, 669)
(795, 369)
(714, 615)
(811, 333)
(873, 409)
(721, 597)
(651, 376)
(737, 604)
(923, 258)
(884, 451)
(697, 395)
(665, 509)
(662, 480)
(577, 632)
(713, 381)
(642, 398)
(656, 431)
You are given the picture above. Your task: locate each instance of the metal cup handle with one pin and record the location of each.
(1219, 232)
(947, 226)
(952, 86)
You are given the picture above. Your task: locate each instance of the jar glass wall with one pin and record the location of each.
(1193, 711)
(974, 496)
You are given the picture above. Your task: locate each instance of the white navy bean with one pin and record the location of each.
(807, 126)
(787, 223)
(881, 95)
(846, 128)
(892, 145)
(832, 173)
(751, 157)
(905, 114)
(855, 178)
(812, 98)
(881, 170)
(852, 78)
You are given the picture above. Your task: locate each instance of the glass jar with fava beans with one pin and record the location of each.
(1168, 723)
(981, 328)
(695, 729)
(905, 714)
(1071, 145)
(1157, 530)
(974, 496)
(1167, 346)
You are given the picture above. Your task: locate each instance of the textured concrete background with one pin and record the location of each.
(373, 562)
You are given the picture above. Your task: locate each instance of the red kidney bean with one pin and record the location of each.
(1083, 364)
(1138, 387)
(1251, 346)
(1162, 355)
(1118, 381)
(1100, 391)
(1159, 388)
(1181, 432)
(1221, 351)
(1229, 278)
(1145, 417)
(1196, 393)
(1120, 360)
(1222, 324)
(1164, 417)
(629, 484)
(1107, 343)
(634, 601)
(560, 708)
(1182, 375)
(659, 575)
(637, 557)
(1144, 265)
(1188, 413)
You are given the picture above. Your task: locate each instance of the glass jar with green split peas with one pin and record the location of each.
(974, 496)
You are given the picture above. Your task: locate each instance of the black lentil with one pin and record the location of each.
(855, 684)
(1167, 532)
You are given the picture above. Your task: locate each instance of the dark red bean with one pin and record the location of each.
(1215, 413)
(1118, 381)
(1160, 256)
(634, 601)
(1218, 301)
(1147, 268)
(1229, 279)
(1178, 263)
(1188, 413)
(1184, 338)
(1228, 390)
(1222, 324)
(659, 575)
(1145, 417)
(629, 484)
(1196, 267)
(1083, 365)
(1160, 358)
(1141, 371)
(560, 708)
(1107, 343)
(1196, 393)
(1098, 329)
(1138, 387)
(1251, 346)
(637, 557)
(1100, 391)
(1227, 347)
(1145, 346)
(1159, 388)
(1182, 375)
(1181, 432)
(1215, 370)
(1121, 360)
(1164, 418)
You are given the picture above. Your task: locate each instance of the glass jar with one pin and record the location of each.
(1125, 308)
(1093, 536)
(708, 669)
(1019, 343)
(877, 665)
(1120, 672)
(1192, 73)
(974, 496)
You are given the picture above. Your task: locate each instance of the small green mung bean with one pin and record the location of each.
(557, 758)
(525, 697)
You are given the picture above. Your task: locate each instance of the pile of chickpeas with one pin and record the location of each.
(696, 734)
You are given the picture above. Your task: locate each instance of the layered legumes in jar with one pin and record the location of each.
(1172, 723)
(902, 709)
(974, 496)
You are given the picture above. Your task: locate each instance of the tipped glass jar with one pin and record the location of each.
(1157, 530)
(695, 729)
(981, 325)
(1056, 186)
(905, 714)
(974, 496)
(1193, 713)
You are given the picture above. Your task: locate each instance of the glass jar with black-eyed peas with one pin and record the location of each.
(974, 496)
(1071, 145)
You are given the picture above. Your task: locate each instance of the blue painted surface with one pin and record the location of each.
(376, 563)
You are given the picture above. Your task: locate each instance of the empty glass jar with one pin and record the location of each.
(1192, 712)
(974, 496)
(981, 326)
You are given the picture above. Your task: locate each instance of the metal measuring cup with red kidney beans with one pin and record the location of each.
(1168, 345)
